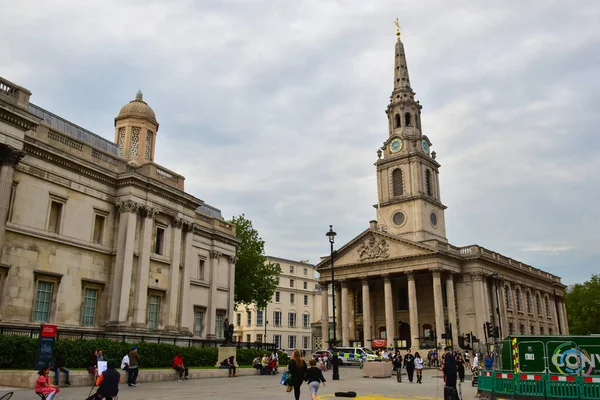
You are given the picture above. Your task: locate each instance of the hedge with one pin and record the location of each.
(18, 352)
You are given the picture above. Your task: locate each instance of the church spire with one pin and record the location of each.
(401, 79)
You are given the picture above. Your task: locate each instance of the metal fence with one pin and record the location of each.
(67, 334)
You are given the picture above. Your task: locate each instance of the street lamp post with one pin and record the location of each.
(266, 323)
(495, 277)
(336, 371)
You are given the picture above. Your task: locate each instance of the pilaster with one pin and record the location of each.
(173, 294)
(9, 158)
(141, 295)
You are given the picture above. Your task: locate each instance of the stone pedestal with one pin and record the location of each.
(226, 352)
(375, 369)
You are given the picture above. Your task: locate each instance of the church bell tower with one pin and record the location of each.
(409, 203)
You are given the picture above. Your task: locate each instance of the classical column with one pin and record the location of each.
(480, 313)
(215, 256)
(9, 158)
(345, 315)
(413, 311)
(486, 297)
(339, 321)
(557, 329)
(452, 308)
(503, 310)
(230, 310)
(186, 307)
(563, 316)
(173, 294)
(324, 316)
(438, 303)
(366, 303)
(390, 331)
(119, 306)
(141, 285)
(351, 315)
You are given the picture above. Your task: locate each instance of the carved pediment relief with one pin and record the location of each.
(373, 248)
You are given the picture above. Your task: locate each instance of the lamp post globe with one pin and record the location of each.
(336, 370)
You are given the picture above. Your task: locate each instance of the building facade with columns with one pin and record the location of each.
(96, 236)
(401, 280)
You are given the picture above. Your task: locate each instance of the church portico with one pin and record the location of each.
(401, 281)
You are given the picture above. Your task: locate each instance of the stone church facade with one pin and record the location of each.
(402, 281)
(96, 236)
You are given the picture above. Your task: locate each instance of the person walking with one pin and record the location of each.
(409, 364)
(449, 368)
(134, 366)
(43, 385)
(314, 378)
(180, 367)
(460, 367)
(419, 367)
(397, 361)
(297, 369)
(275, 357)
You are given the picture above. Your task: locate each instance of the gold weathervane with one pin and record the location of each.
(397, 28)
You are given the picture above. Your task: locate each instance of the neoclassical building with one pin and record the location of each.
(401, 280)
(95, 235)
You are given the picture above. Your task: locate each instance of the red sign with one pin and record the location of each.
(49, 331)
(379, 343)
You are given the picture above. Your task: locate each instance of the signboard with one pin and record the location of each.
(379, 343)
(45, 346)
(529, 357)
(102, 366)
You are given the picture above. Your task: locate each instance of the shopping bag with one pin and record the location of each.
(283, 378)
(289, 388)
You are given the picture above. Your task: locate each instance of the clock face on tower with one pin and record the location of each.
(395, 145)
(425, 146)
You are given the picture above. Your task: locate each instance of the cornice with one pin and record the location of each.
(404, 199)
(405, 156)
(17, 120)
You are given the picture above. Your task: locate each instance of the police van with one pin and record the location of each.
(355, 355)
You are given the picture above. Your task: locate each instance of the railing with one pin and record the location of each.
(66, 334)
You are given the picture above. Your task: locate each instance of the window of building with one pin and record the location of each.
(511, 328)
(397, 182)
(291, 342)
(277, 280)
(153, 311)
(238, 319)
(305, 299)
(507, 297)
(201, 263)
(277, 318)
(542, 331)
(43, 300)
(528, 302)
(518, 298)
(291, 269)
(219, 321)
(522, 329)
(11, 204)
(259, 337)
(407, 119)
(55, 217)
(306, 342)
(550, 332)
(306, 321)
(291, 283)
(248, 318)
(259, 318)
(277, 297)
(305, 272)
(428, 183)
(403, 298)
(277, 341)
(547, 306)
(532, 330)
(159, 240)
(305, 285)
(198, 322)
(292, 320)
(88, 311)
(292, 298)
(99, 222)
(248, 338)
(538, 304)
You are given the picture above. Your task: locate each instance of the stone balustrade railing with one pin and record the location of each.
(14, 94)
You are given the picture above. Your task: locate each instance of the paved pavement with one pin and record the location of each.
(268, 387)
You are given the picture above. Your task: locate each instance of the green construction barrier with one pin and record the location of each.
(561, 387)
(485, 381)
(504, 383)
(529, 385)
(589, 387)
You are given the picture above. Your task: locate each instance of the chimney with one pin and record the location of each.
(373, 224)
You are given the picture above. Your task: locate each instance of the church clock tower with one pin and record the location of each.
(409, 203)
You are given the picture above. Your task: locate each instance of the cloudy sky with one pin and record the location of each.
(275, 109)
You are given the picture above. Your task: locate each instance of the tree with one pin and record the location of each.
(255, 280)
(583, 307)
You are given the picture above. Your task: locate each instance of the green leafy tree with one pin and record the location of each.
(255, 280)
(583, 307)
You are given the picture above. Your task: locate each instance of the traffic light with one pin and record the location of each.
(496, 332)
(489, 329)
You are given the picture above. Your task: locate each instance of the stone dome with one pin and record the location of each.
(137, 108)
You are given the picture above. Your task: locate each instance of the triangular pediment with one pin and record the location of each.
(374, 246)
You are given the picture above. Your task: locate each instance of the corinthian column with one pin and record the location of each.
(366, 313)
(324, 316)
(9, 158)
(390, 331)
(186, 307)
(141, 295)
(345, 315)
(215, 257)
(452, 308)
(173, 295)
(438, 302)
(478, 294)
(339, 322)
(413, 311)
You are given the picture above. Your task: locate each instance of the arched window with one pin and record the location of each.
(417, 121)
(547, 306)
(507, 296)
(519, 300)
(538, 304)
(397, 121)
(407, 119)
(528, 300)
(428, 183)
(397, 182)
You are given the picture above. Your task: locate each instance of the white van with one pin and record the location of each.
(355, 355)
